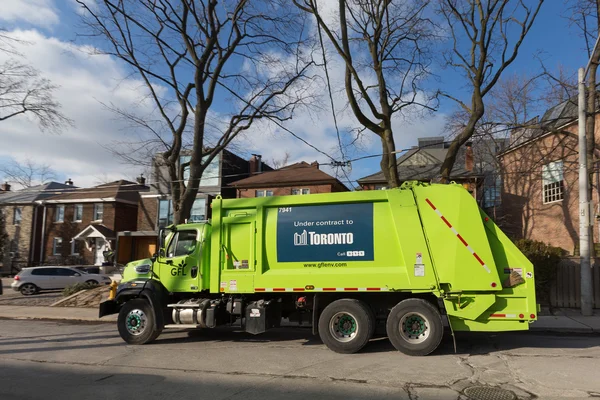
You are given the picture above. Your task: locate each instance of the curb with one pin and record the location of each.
(55, 319)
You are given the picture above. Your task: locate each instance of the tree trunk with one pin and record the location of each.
(462, 138)
(388, 159)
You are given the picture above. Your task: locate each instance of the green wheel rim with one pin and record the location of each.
(343, 326)
(136, 322)
(414, 327)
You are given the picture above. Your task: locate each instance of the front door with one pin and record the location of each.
(99, 257)
(180, 268)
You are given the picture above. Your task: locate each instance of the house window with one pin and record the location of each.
(77, 212)
(553, 182)
(75, 247)
(98, 211)
(210, 176)
(165, 213)
(198, 211)
(492, 191)
(60, 214)
(57, 246)
(264, 193)
(300, 191)
(17, 216)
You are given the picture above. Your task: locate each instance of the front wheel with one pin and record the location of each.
(136, 322)
(414, 326)
(346, 325)
(91, 282)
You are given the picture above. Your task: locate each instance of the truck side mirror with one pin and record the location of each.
(154, 257)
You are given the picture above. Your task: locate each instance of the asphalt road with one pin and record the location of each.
(55, 360)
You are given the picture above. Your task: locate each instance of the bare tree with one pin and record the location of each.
(277, 163)
(23, 90)
(190, 54)
(3, 234)
(585, 15)
(384, 46)
(483, 46)
(27, 173)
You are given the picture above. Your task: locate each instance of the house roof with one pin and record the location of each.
(35, 193)
(298, 173)
(119, 191)
(427, 168)
(553, 119)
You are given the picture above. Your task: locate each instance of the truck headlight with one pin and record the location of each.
(143, 269)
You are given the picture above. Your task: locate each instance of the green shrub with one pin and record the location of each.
(545, 260)
(69, 290)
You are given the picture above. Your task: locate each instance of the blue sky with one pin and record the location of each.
(52, 26)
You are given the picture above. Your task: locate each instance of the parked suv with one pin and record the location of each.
(31, 280)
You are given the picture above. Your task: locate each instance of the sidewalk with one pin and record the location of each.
(567, 320)
(54, 313)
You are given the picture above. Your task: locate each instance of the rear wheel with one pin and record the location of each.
(136, 322)
(346, 325)
(28, 289)
(414, 326)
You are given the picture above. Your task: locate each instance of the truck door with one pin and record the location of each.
(180, 270)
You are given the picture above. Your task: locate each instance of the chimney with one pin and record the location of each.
(69, 182)
(255, 164)
(469, 157)
(141, 180)
(5, 186)
(315, 164)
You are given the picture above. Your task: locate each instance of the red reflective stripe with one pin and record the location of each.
(351, 288)
(328, 289)
(298, 289)
(478, 259)
(430, 203)
(373, 288)
(498, 315)
(446, 221)
(461, 239)
(259, 289)
(279, 289)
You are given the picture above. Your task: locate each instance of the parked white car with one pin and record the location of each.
(31, 280)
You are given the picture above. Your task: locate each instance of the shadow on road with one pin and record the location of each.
(31, 381)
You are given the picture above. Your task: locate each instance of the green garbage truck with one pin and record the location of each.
(352, 265)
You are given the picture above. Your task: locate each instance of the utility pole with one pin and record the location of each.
(587, 292)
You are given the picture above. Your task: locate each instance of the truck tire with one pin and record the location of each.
(346, 325)
(414, 326)
(136, 322)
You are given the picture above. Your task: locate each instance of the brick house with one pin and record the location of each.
(156, 206)
(540, 198)
(80, 225)
(23, 211)
(296, 179)
(475, 167)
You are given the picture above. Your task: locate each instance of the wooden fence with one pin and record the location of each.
(566, 290)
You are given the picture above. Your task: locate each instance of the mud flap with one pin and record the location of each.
(107, 307)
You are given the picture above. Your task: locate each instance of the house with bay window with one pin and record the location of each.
(155, 208)
(540, 198)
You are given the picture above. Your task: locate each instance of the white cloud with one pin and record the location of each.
(84, 81)
(37, 12)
